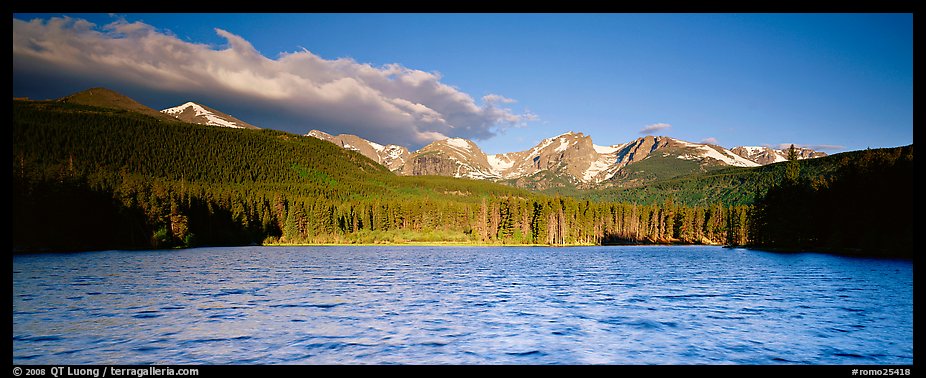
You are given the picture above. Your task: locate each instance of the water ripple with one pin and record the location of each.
(412, 305)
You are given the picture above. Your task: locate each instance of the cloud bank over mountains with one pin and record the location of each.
(390, 103)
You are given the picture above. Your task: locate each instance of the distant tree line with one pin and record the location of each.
(144, 212)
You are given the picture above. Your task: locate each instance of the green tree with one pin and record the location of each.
(793, 168)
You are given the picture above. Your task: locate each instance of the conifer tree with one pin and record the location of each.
(793, 168)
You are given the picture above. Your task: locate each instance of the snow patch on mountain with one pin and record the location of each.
(211, 118)
(394, 151)
(458, 143)
(724, 156)
(499, 163)
(320, 135)
(603, 163)
(605, 149)
(754, 149)
(727, 158)
(778, 158)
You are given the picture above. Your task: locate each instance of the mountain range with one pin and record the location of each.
(567, 160)
(570, 159)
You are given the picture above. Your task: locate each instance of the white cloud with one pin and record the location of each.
(649, 129)
(390, 104)
(709, 140)
(494, 98)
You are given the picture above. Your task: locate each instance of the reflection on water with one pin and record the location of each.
(428, 305)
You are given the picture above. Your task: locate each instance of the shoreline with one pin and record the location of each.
(779, 250)
(386, 244)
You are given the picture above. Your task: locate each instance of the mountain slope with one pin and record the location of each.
(391, 156)
(106, 98)
(725, 185)
(571, 155)
(454, 157)
(650, 159)
(178, 151)
(200, 114)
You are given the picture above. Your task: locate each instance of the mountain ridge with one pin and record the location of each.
(571, 156)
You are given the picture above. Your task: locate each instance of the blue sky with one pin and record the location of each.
(833, 81)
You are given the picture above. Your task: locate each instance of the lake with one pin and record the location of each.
(461, 305)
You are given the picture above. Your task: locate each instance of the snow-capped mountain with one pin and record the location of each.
(572, 157)
(195, 113)
(571, 154)
(391, 156)
(450, 157)
(767, 155)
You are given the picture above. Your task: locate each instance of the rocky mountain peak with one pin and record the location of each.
(200, 114)
(391, 156)
(454, 157)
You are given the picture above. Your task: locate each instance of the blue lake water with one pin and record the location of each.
(459, 305)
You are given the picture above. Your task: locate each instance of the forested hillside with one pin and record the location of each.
(727, 186)
(96, 178)
(864, 207)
